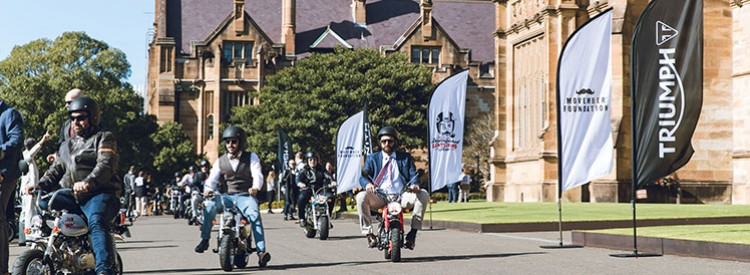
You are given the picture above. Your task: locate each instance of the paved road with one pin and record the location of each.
(161, 245)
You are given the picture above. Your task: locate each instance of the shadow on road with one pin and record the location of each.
(341, 238)
(146, 247)
(465, 257)
(161, 271)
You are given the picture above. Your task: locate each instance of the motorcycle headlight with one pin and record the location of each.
(321, 199)
(394, 208)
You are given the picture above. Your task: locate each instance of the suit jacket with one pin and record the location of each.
(11, 142)
(406, 168)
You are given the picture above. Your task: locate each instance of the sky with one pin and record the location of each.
(123, 24)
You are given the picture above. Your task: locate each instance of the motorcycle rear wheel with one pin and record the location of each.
(225, 253)
(395, 244)
(323, 226)
(119, 267)
(31, 262)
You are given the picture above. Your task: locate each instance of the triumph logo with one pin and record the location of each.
(670, 88)
(664, 33)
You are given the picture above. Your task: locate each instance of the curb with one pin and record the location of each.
(567, 226)
(702, 249)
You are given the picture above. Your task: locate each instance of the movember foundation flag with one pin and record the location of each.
(584, 91)
(349, 143)
(446, 127)
(285, 150)
(667, 72)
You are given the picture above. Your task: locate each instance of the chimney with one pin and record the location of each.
(359, 13)
(239, 16)
(425, 10)
(161, 18)
(288, 22)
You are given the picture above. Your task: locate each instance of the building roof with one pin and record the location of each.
(469, 23)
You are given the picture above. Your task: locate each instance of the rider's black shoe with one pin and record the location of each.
(372, 241)
(202, 246)
(410, 239)
(263, 258)
(286, 218)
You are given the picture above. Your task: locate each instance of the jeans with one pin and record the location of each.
(99, 211)
(452, 193)
(7, 188)
(248, 205)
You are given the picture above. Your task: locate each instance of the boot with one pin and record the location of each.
(411, 239)
(202, 246)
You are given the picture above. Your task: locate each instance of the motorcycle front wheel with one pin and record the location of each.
(31, 262)
(119, 267)
(395, 244)
(225, 253)
(323, 226)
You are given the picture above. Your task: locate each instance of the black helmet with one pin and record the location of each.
(311, 154)
(388, 131)
(204, 163)
(29, 142)
(177, 174)
(191, 168)
(235, 132)
(88, 105)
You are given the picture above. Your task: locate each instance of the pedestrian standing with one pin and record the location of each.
(465, 187)
(141, 193)
(271, 189)
(11, 144)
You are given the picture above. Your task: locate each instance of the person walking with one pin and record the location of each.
(11, 144)
(141, 193)
(271, 189)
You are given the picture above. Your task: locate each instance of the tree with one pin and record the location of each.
(36, 76)
(477, 137)
(175, 154)
(310, 100)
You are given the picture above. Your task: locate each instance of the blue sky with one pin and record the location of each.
(123, 24)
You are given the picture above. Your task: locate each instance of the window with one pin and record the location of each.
(529, 93)
(425, 55)
(237, 50)
(230, 100)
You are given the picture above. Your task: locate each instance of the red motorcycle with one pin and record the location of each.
(390, 237)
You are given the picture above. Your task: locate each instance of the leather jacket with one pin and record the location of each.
(90, 158)
(316, 177)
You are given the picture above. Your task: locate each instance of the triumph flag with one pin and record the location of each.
(349, 144)
(667, 81)
(446, 130)
(285, 150)
(584, 89)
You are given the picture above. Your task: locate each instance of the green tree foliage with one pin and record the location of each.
(310, 100)
(175, 154)
(36, 76)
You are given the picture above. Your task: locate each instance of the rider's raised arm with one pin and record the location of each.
(255, 169)
(212, 182)
(106, 161)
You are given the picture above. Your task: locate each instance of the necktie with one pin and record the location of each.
(387, 167)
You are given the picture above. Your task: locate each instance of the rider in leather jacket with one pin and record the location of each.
(87, 163)
(312, 176)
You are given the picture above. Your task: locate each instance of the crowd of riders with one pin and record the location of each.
(235, 180)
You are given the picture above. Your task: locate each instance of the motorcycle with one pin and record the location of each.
(67, 249)
(175, 201)
(390, 237)
(234, 237)
(196, 215)
(316, 215)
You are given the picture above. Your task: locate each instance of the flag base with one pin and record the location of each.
(560, 246)
(635, 255)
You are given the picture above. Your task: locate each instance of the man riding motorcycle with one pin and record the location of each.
(396, 173)
(312, 176)
(242, 175)
(87, 163)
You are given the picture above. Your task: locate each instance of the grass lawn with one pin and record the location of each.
(492, 212)
(723, 233)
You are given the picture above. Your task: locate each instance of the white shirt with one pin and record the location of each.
(391, 182)
(464, 179)
(139, 181)
(32, 177)
(212, 182)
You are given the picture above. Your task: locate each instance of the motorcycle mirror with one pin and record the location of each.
(23, 166)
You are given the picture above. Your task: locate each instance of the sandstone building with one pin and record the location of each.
(529, 37)
(207, 55)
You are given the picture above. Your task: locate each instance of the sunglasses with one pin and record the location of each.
(68, 102)
(78, 118)
(232, 141)
(386, 141)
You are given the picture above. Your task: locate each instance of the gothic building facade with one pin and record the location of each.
(529, 37)
(207, 55)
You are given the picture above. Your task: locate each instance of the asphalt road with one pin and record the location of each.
(162, 245)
